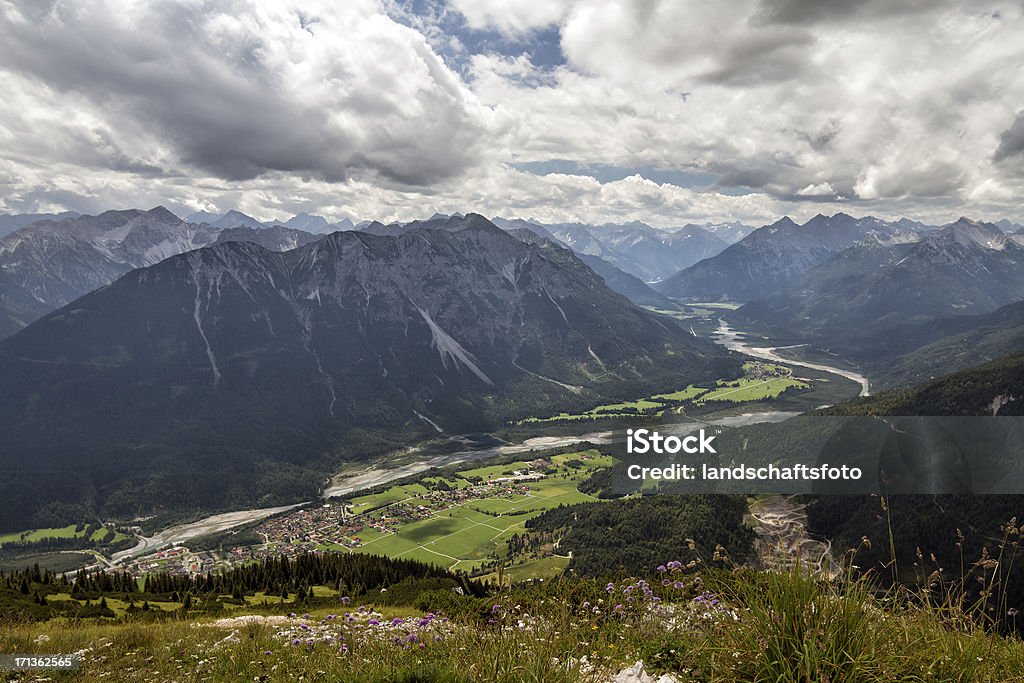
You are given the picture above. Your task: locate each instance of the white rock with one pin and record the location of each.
(638, 674)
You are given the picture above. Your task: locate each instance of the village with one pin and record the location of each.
(347, 525)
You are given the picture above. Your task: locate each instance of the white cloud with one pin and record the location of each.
(512, 16)
(888, 101)
(274, 107)
(819, 190)
(239, 88)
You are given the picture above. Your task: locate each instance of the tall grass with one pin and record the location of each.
(702, 624)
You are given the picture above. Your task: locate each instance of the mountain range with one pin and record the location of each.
(636, 248)
(774, 256)
(52, 262)
(234, 375)
(11, 222)
(965, 268)
(904, 311)
(49, 262)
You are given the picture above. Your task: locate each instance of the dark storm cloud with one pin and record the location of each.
(812, 11)
(238, 90)
(762, 58)
(1011, 142)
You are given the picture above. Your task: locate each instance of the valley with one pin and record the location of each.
(414, 519)
(448, 392)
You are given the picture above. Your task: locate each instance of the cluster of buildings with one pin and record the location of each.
(177, 561)
(332, 527)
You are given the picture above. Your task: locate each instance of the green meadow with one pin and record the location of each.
(746, 389)
(762, 381)
(467, 533)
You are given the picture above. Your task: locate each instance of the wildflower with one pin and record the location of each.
(343, 650)
(345, 600)
(373, 622)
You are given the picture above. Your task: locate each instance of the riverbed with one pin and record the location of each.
(733, 340)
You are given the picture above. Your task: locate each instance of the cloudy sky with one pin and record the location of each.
(592, 110)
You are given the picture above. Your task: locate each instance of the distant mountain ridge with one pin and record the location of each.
(636, 248)
(301, 221)
(50, 263)
(728, 232)
(274, 238)
(629, 286)
(11, 222)
(774, 256)
(965, 268)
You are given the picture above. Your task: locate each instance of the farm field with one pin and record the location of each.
(745, 390)
(761, 381)
(698, 310)
(466, 532)
(97, 534)
(394, 494)
(54, 561)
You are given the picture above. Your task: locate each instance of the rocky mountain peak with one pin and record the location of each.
(967, 232)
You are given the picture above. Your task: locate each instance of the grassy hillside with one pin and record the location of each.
(692, 621)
